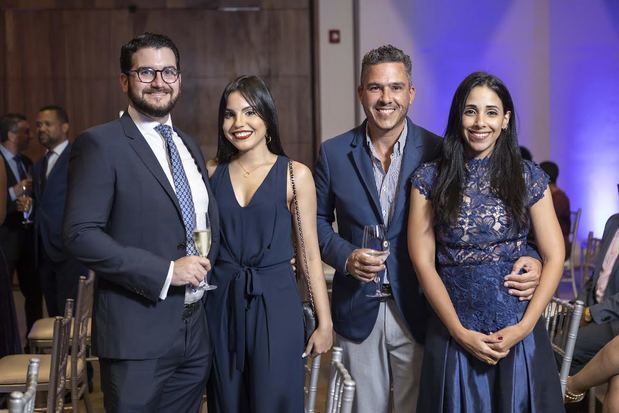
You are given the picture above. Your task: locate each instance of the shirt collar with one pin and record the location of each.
(58, 149)
(7, 154)
(398, 148)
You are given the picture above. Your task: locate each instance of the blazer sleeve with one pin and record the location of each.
(334, 249)
(608, 310)
(92, 186)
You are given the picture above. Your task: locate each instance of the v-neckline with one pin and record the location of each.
(236, 199)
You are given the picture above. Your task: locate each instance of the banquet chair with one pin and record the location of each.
(79, 342)
(52, 368)
(336, 356)
(589, 255)
(562, 322)
(312, 369)
(344, 390)
(40, 335)
(569, 267)
(24, 402)
(341, 389)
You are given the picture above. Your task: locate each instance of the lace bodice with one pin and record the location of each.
(485, 231)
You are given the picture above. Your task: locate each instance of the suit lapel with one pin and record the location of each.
(145, 153)
(363, 164)
(39, 172)
(410, 161)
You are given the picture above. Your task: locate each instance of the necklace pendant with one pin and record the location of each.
(246, 174)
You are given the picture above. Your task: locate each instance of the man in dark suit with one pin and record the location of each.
(601, 298)
(136, 185)
(363, 178)
(16, 238)
(58, 271)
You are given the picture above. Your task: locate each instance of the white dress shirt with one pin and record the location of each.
(53, 155)
(199, 194)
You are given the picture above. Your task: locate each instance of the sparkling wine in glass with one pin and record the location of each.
(27, 206)
(375, 239)
(202, 242)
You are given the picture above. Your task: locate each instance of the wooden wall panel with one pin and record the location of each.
(3, 107)
(67, 53)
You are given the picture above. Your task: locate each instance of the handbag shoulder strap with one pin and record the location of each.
(304, 265)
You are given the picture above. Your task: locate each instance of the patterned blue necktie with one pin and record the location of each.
(183, 191)
(21, 170)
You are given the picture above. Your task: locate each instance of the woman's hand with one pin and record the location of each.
(319, 342)
(480, 345)
(506, 338)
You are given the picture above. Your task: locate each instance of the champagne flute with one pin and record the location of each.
(375, 239)
(202, 242)
(27, 200)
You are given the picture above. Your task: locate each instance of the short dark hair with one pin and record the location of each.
(143, 41)
(9, 123)
(61, 114)
(257, 94)
(386, 54)
(552, 169)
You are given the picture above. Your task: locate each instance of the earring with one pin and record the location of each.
(268, 138)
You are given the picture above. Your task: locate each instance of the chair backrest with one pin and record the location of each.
(59, 361)
(336, 356)
(341, 389)
(24, 402)
(79, 342)
(575, 221)
(344, 390)
(312, 368)
(589, 255)
(562, 322)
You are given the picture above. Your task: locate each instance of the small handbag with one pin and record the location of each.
(309, 311)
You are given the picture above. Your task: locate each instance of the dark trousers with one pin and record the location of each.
(18, 246)
(59, 281)
(591, 338)
(173, 383)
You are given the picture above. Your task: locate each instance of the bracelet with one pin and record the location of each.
(573, 397)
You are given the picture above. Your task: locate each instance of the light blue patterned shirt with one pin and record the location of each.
(387, 181)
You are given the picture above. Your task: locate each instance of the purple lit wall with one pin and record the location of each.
(559, 58)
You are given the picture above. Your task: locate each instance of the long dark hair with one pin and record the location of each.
(506, 172)
(257, 94)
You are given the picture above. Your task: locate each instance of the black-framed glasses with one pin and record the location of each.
(148, 74)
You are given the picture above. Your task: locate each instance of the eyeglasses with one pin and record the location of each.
(148, 74)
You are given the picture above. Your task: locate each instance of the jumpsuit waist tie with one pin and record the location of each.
(246, 287)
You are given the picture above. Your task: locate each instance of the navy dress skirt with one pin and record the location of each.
(474, 255)
(255, 315)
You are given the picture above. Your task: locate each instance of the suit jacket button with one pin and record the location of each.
(181, 246)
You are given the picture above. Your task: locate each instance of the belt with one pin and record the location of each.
(386, 289)
(190, 309)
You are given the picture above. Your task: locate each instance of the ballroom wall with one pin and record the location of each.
(66, 52)
(560, 59)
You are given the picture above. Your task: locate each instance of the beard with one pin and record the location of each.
(154, 111)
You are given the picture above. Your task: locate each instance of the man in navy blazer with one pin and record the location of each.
(136, 186)
(58, 271)
(363, 178)
(601, 298)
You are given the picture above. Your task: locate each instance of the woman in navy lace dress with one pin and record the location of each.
(486, 351)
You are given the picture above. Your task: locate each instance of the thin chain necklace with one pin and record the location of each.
(246, 173)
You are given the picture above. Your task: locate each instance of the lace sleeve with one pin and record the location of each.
(423, 178)
(536, 181)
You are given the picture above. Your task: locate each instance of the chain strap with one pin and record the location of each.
(304, 266)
